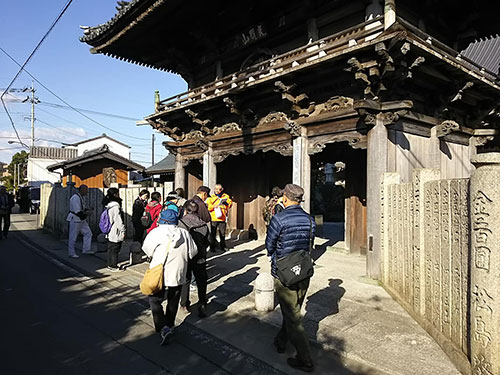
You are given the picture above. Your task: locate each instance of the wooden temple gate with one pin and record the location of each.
(277, 88)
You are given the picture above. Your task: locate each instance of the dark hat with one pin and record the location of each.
(168, 217)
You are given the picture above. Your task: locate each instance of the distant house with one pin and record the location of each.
(114, 146)
(97, 168)
(164, 169)
(40, 158)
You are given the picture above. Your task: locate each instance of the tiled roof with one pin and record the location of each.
(95, 31)
(52, 153)
(486, 53)
(97, 154)
(165, 165)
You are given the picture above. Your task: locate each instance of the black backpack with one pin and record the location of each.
(146, 219)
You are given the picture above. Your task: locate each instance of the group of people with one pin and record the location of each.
(177, 233)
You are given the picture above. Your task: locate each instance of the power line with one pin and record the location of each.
(65, 102)
(61, 129)
(25, 63)
(59, 106)
(93, 131)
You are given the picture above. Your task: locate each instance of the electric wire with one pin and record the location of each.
(65, 102)
(25, 63)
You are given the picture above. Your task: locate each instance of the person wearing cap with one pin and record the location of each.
(291, 230)
(174, 247)
(218, 205)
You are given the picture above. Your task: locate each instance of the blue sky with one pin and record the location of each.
(65, 65)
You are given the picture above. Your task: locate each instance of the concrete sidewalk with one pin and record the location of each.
(355, 326)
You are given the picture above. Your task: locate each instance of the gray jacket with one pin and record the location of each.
(117, 232)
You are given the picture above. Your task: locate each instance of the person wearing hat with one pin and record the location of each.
(174, 247)
(289, 231)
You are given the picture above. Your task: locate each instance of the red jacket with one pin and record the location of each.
(154, 209)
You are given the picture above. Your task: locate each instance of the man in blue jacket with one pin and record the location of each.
(291, 230)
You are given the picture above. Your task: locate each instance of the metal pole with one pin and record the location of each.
(14, 181)
(153, 149)
(18, 175)
(32, 113)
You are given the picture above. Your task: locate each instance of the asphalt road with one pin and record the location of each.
(53, 323)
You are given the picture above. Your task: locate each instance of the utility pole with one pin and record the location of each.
(153, 149)
(33, 100)
(18, 164)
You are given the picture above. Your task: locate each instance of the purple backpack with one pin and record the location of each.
(104, 222)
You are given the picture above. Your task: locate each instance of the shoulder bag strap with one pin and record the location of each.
(169, 245)
(310, 233)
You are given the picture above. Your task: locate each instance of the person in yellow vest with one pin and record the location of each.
(218, 205)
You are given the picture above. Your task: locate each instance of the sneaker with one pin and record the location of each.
(73, 256)
(113, 269)
(166, 335)
(300, 365)
(202, 311)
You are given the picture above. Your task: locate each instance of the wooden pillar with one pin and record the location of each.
(209, 169)
(301, 174)
(376, 167)
(180, 172)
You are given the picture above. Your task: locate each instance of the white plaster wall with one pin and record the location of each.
(38, 173)
(113, 147)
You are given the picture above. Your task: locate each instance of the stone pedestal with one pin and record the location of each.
(485, 265)
(264, 292)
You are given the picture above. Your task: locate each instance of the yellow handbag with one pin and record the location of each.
(152, 282)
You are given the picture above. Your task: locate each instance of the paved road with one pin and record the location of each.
(59, 322)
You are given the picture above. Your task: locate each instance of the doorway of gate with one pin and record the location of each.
(249, 179)
(338, 196)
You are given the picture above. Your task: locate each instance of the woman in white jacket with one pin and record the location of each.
(116, 235)
(173, 247)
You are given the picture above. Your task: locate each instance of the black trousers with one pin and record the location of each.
(139, 232)
(220, 227)
(165, 318)
(113, 251)
(200, 274)
(6, 224)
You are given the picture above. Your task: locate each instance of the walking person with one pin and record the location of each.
(116, 236)
(198, 265)
(153, 209)
(218, 204)
(77, 218)
(289, 231)
(6, 204)
(174, 247)
(137, 211)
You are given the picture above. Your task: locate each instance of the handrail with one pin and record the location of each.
(276, 64)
